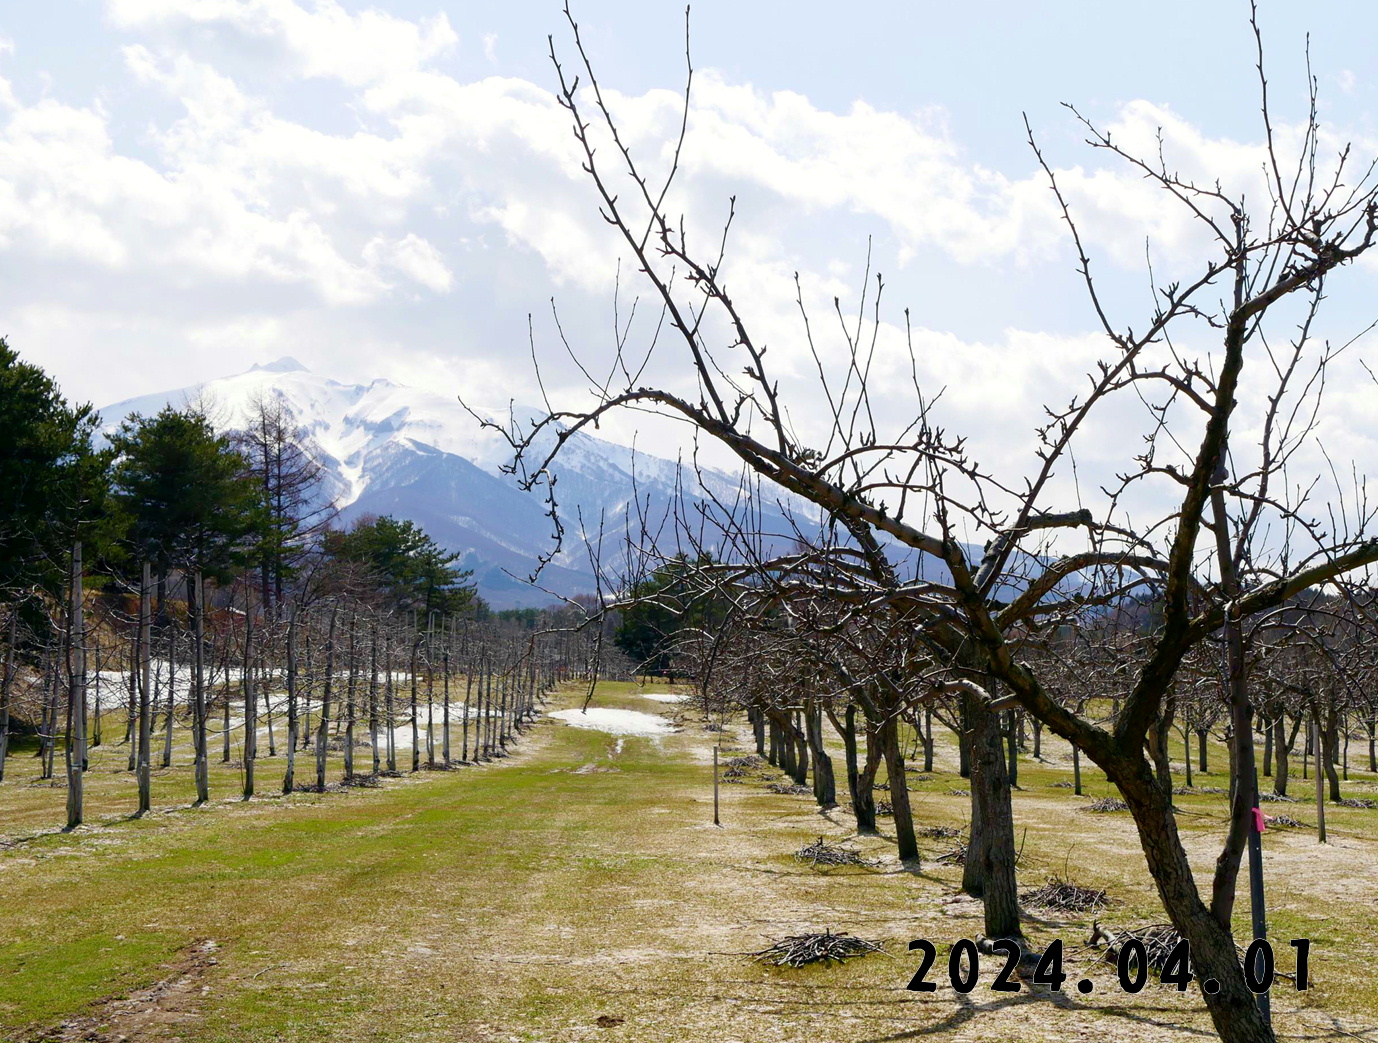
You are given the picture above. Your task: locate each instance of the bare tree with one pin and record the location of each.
(1233, 542)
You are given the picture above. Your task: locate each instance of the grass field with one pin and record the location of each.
(578, 890)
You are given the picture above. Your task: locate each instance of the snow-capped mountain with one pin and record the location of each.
(417, 453)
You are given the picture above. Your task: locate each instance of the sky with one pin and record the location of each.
(190, 187)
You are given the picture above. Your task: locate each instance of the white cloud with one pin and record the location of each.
(490, 47)
(420, 199)
(325, 41)
(413, 257)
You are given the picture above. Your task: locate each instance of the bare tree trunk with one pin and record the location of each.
(502, 713)
(131, 730)
(485, 701)
(824, 782)
(225, 692)
(899, 789)
(928, 739)
(390, 704)
(349, 706)
(75, 745)
(48, 735)
(250, 701)
(145, 622)
(266, 673)
(95, 730)
(445, 674)
(849, 752)
(6, 679)
(197, 603)
(323, 725)
(430, 693)
(468, 692)
(1330, 744)
(989, 871)
(171, 691)
(289, 777)
(1320, 782)
(415, 733)
(1233, 1009)
(373, 700)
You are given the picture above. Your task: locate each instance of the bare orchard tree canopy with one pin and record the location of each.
(1215, 530)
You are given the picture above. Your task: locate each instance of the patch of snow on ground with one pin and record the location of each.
(616, 722)
(664, 697)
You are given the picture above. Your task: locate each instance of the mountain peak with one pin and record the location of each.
(286, 364)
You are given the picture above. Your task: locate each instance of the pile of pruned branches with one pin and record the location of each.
(1067, 897)
(940, 832)
(1104, 804)
(821, 853)
(800, 949)
(1357, 802)
(1158, 939)
(791, 788)
(1277, 798)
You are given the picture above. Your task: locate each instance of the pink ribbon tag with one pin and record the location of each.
(1259, 820)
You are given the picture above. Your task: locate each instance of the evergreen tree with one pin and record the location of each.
(413, 570)
(53, 483)
(186, 496)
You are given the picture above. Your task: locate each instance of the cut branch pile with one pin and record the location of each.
(749, 761)
(1284, 820)
(1277, 798)
(792, 788)
(1063, 784)
(1067, 897)
(959, 793)
(884, 807)
(1107, 804)
(822, 853)
(1357, 802)
(940, 832)
(1159, 939)
(800, 949)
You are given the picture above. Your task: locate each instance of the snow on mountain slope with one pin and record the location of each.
(417, 453)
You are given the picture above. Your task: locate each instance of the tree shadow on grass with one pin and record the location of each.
(967, 1009)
